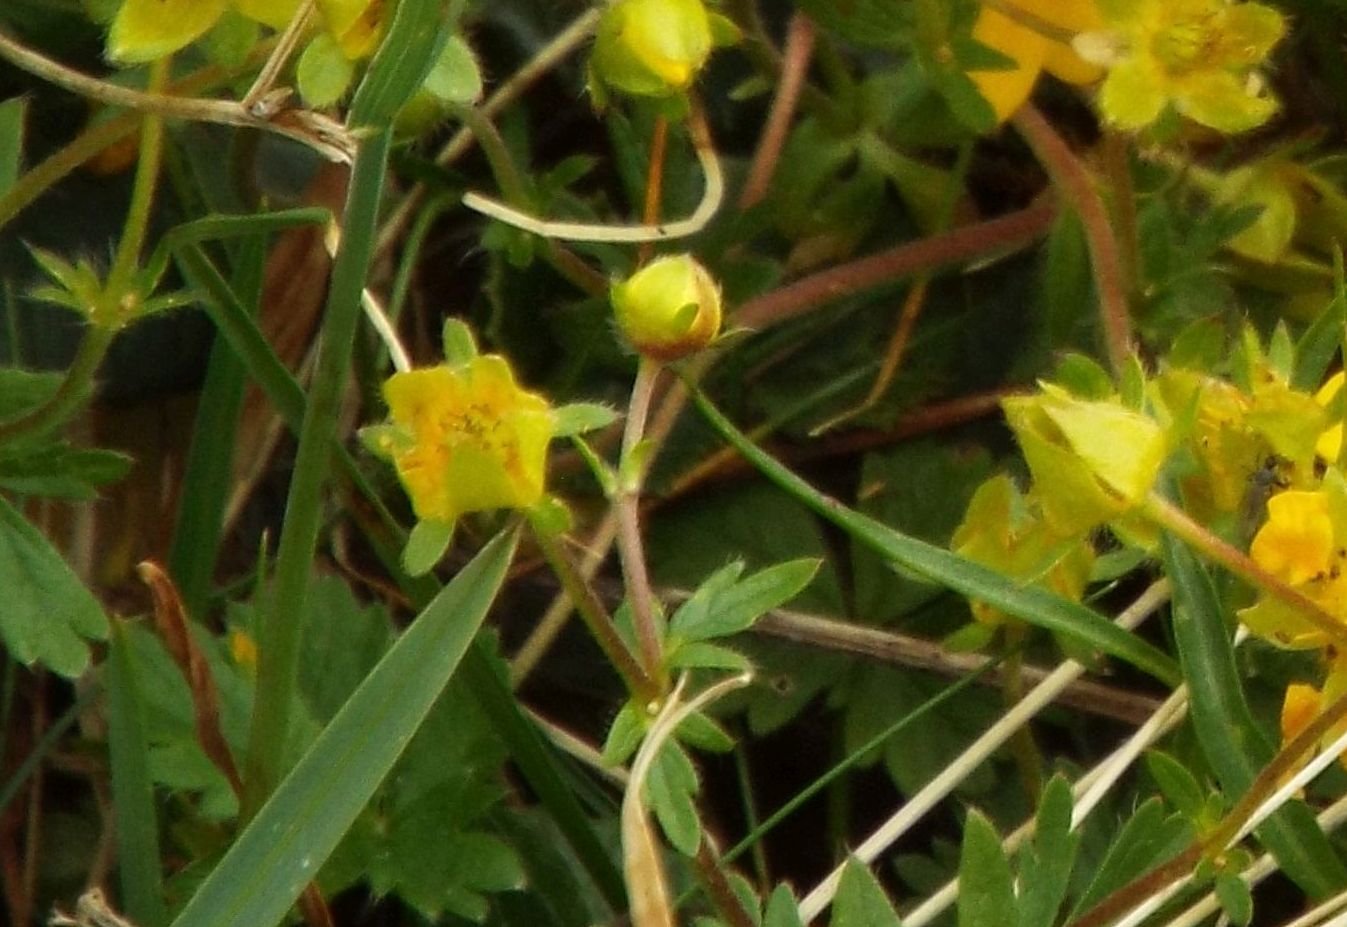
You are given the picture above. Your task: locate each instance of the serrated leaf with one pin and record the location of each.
(48, 615)
(1177, 784)
(697, 730)
(986, 887)
(859, 901)
(1147, 839)
(669, 791)
(730, 605)
(1046, 863)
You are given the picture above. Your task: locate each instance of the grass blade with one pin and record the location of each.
(1036, 606)
(132, 789)
(1230, 739)
(294, 832)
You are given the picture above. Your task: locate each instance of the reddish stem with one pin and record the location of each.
(794, 67)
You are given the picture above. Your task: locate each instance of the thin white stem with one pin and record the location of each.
(938, 788)
(1329, 819)
(637, 233)
(1291, 786)
(1093, 785)
(548, 57)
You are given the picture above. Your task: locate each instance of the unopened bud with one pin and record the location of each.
(669, 308)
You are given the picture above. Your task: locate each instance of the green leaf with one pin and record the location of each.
(576, 418)
(1235, 898)
(1146, 840)
(455, 77)
(132, 790)
(460, 347)
(12, 113)
(48, 614)
(24, 390)
(279, 852)
(628, 728)
(405, 57)
(1179, 787)
(1047, 860)
(1036, 606)
(323, 73)
(986, 888)
(1225, 727)
(57, 470)
(669, 790)
(426, 545)
(701, 655)
(860, 902)
(1320, 343)
(782, 909)
(724, 605)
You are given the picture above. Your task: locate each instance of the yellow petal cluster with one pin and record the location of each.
(146, 30)
(651, 47)
(1199, 56)
(466, 438)
(1034, 34)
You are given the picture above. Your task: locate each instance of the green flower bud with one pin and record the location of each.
(651, 48)
(669, 308)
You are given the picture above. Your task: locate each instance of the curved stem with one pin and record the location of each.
(794, 68)
(962, 244)
(1075, 182)
(596, 618)
(631, 551)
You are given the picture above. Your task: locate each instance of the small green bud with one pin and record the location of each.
(651, 48)
(669, 308)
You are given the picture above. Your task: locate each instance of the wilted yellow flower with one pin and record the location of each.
(1000, 531)
(1199, 56)
(1092, 461)
(669, 308)
(1033, 50)
(465, 438)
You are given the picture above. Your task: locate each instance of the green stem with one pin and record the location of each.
(627, 506)
(282, 627)
(111, 313)
(596, 618)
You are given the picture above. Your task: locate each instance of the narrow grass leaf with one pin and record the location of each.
(1035, 606)
(1226, 730)
(283, 847)
(11, 141)
(132, 789)
(413, 44)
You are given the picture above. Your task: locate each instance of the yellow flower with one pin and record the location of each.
(655, 48)
(465, 438)
(1032, 50)
(1329, 445)
(145, 30)
(669, 308)
(1092, 461)
(1296, 542)
(1303, 703)
(1199, 56)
